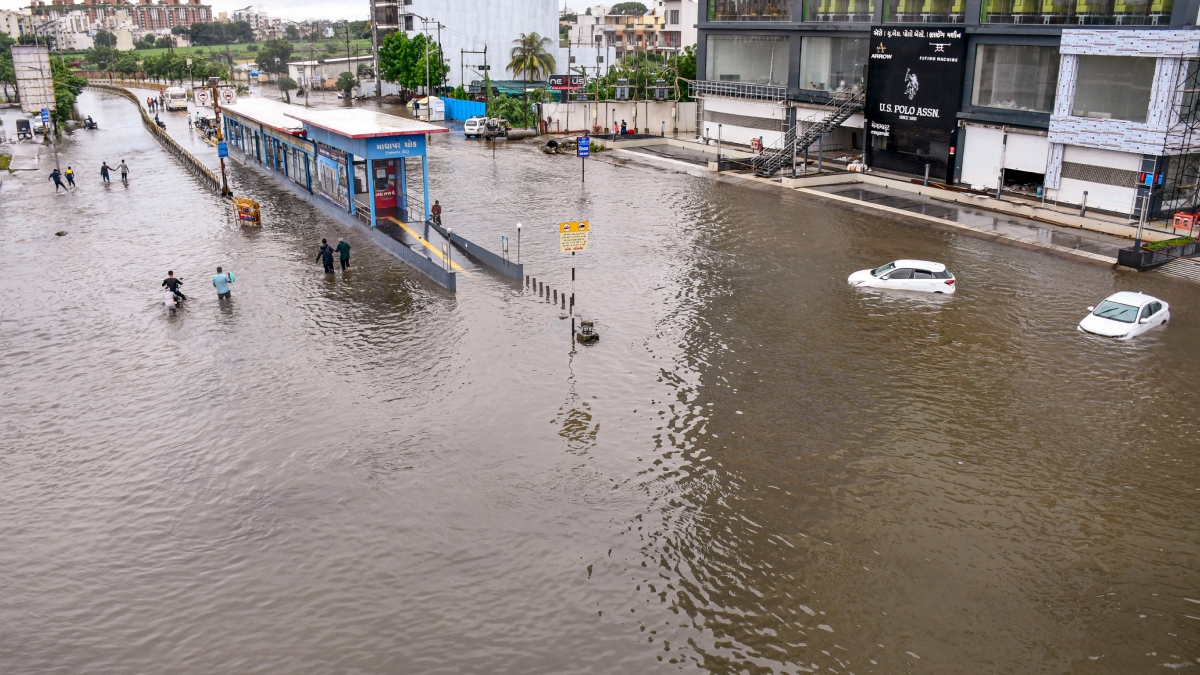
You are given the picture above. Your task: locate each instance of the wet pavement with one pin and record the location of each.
(757, 468)
(1092, 242)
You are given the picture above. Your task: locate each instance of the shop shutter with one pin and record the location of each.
(981, 157)
(1027, 152)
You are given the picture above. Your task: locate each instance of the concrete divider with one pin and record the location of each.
(497, 262)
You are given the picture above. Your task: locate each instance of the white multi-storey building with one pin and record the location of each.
(472, 26)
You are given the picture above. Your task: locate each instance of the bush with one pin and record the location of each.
(1163, 245)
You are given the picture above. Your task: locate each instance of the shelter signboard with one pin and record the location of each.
(396, 146)
(35, 85)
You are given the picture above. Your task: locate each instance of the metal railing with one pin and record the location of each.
(840, 107)
(760, 92)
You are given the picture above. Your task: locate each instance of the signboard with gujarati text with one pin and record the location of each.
(583, 147)
(914, 78)
(390, 147)
(573, 236)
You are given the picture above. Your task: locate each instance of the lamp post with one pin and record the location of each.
(518, 243)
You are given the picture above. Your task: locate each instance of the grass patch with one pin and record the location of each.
(1162, 245)
(4, 160)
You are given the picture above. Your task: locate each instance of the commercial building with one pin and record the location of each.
(1056, 96)
(468, 27)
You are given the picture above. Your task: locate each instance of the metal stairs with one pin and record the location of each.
(830, 116)
(1183, 268)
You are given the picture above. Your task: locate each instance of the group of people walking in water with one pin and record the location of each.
(105, 173)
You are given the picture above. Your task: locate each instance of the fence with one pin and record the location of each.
(205, 174)
(462, 110)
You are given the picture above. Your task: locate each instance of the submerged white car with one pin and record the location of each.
(907, 275)
(474, 126)
(1124, 315)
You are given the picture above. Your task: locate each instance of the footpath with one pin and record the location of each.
(1095, 236)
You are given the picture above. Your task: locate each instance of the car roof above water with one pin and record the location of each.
(921, 264)
(1137, 299)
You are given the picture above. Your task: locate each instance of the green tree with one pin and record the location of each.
(8, 75)
(402, 60)
(67, 86)
(531, 60)
(126, 63)
(180, 30)
(628, 9)
(163, 42)
(288, 85)
(105, 39)
(685, 67)
(273, 56)
(346, 83)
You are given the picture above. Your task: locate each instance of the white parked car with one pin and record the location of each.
(474, 126)
(907, 275)
(38, 126)
(1124, 315)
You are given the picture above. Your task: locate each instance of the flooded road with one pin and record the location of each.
(758, 469)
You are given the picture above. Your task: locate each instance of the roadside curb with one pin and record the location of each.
(1093, 257)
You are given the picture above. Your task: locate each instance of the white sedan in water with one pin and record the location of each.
(1124, 315)
(907, 275)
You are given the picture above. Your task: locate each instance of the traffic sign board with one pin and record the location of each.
(202, 96)
(227, 95)
(222, 149)
(583, 146)
(45, 116)
(573, 236)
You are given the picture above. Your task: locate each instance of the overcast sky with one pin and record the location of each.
(297, 10)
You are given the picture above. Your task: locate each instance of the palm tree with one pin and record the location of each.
(531, 60)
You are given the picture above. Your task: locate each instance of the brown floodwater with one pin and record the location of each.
(757, 469)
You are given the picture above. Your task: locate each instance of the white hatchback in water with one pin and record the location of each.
(907, 275)
(1124, 315)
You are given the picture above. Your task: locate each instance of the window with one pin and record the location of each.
(902, 273)
(924, 11)
(941, 275)
(386, 15)
(748, 58)
(839, 10)
(922, 274)
(673, 17)
(408, 22)
(749, 10)
(1116, 311)
(1015, 77)
(880, 271)
(1114, 87)
(832, 64)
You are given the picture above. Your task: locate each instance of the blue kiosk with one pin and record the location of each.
(366, 168)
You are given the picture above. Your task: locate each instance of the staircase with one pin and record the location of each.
(830, 117)
(1183, 268)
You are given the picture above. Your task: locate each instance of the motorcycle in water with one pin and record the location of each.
(160, 123)
(90, 124)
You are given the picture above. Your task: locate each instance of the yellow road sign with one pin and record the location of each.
(573, 236)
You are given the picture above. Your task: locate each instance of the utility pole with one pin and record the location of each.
(212, 81)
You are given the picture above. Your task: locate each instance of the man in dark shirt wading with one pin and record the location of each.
(173, 284)
(325, 255)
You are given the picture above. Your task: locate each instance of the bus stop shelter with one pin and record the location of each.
(372, 164)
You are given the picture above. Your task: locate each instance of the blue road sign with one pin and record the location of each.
(222, 149)
(583, 147)
(45, 116)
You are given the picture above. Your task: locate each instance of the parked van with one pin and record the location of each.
(176, 98)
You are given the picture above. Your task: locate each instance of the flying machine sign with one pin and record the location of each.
(914, 78)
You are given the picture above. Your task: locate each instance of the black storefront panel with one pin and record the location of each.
(914, 89)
